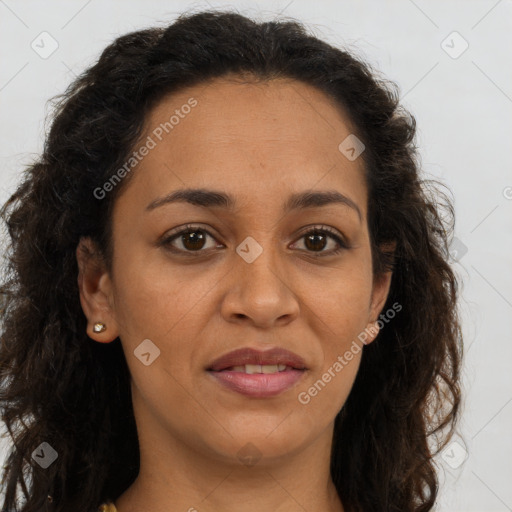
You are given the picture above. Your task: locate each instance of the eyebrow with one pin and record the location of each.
(210, 199)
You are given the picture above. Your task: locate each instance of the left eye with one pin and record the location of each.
(193, 239)
(317, 238)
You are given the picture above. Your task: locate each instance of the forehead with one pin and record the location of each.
(250, 138)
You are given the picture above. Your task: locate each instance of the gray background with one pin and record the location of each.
(462, 101)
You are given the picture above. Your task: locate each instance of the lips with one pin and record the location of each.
(252, 357)
(258, 374)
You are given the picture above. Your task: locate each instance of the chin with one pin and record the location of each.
(260, 443)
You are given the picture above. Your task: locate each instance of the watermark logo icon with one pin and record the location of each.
(44, 45)
(457, 249)
(147, 352)
(249, 455)
(44, 455)
(351, 147)
(454, 45)
(249, 249)
(454, 454)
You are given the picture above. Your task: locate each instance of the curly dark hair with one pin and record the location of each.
(59, 387)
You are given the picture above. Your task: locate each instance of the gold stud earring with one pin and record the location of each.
(99, 327)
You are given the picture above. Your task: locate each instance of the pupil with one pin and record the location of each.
(314, 237)
(193, 240)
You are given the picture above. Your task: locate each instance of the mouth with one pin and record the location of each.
(252, 369)
(258, 374)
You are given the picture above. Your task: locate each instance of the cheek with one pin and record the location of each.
(343, 321)
(155, 298)
(341, 303)
(340, 311)
(328, 390)
(170, 306)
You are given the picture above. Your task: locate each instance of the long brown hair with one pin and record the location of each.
(59, 387)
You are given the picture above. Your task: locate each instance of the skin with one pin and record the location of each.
(259, 143)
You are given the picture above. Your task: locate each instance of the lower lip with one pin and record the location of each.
(258, 385)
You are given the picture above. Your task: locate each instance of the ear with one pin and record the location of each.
(95, 287)
(380, 292)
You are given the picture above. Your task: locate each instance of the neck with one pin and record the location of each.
(176, 477)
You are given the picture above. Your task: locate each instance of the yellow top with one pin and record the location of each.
(108, 506)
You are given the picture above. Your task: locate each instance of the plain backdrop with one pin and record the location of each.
(451, 60)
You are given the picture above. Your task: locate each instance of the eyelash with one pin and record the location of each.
(166, 242)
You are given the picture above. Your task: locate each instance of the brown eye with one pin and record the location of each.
(193, 240)
(317, 239)
(189, 240)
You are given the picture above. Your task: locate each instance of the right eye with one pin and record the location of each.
(191, 239)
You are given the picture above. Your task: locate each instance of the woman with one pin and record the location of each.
(227, 286)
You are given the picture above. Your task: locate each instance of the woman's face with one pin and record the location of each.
(249, 275)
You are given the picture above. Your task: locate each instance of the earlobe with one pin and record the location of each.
(95, 292)
(372, 329)
(380, 292)
(379, 297)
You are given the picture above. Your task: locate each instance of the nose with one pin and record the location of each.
(260, 293)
